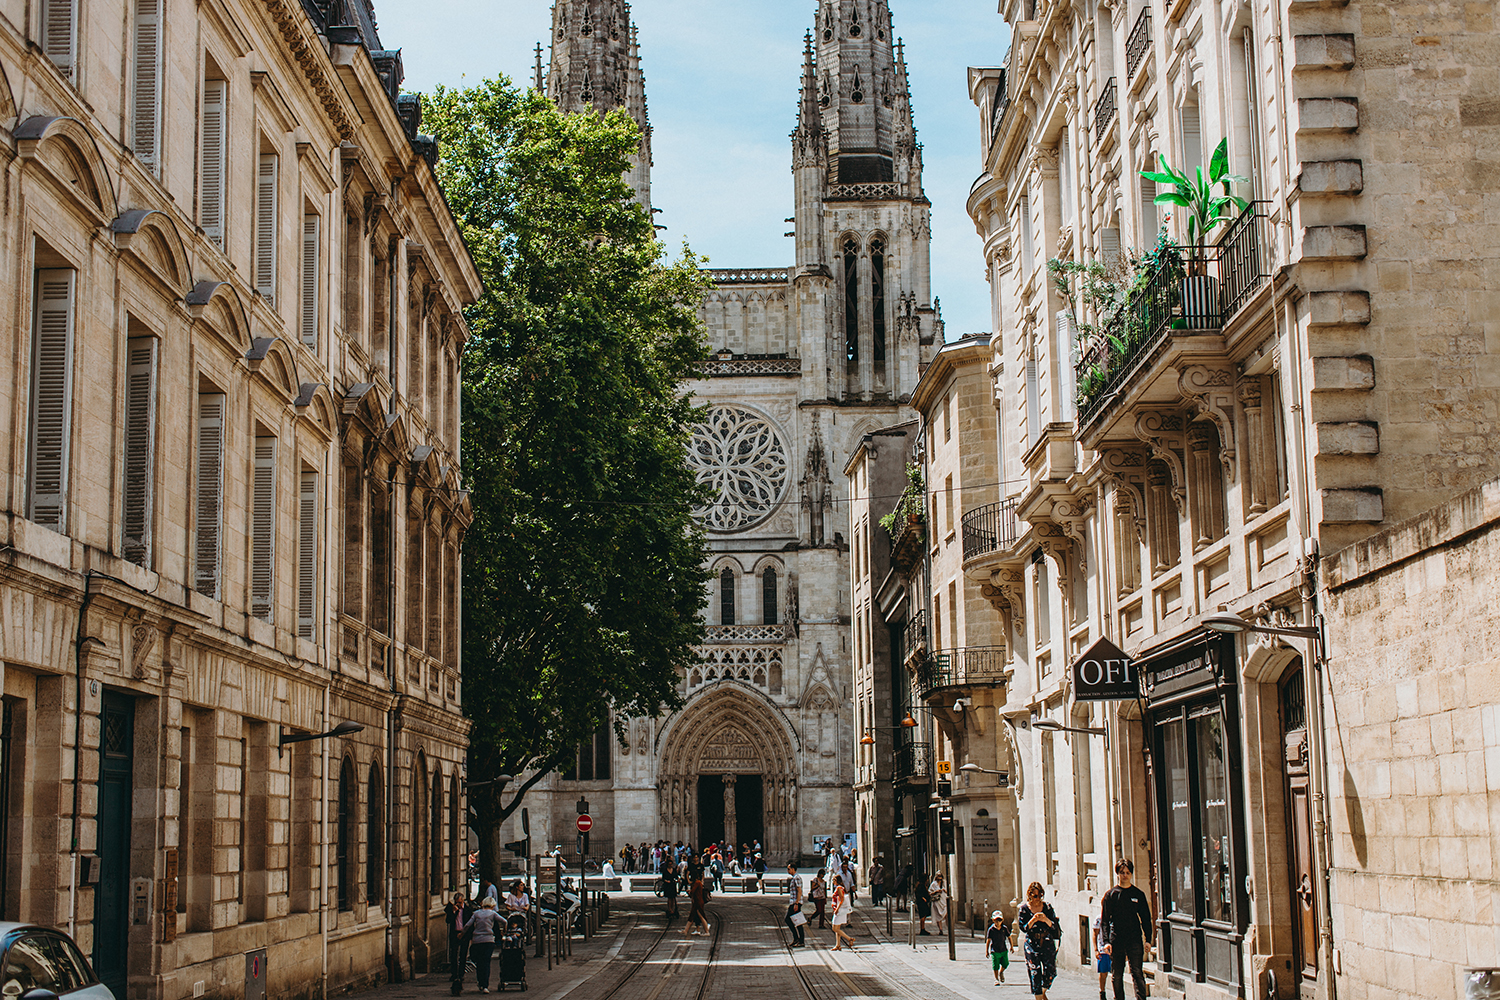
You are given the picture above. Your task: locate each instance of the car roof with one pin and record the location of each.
(7, 926)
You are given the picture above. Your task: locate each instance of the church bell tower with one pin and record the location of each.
(596, 66)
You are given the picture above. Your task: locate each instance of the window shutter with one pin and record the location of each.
(140, 449)
(1026, 248)
(1149, 219)
(263, 529)
(210, 500)
(1033, 406)
(310, 233)
(1109, 247)
(51, 397)
(265, 228)
(1067, 359)
(211, 195)
(307, 556)
(59, 19)
(146, 112)
(1192, 139)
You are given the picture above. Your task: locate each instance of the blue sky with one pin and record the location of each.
(721, 82)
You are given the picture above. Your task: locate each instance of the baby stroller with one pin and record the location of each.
(513, 953)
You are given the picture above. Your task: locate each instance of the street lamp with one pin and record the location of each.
(1057, 727)
(342, 729)
(1233, 624)
(906, 723)
(500, 779)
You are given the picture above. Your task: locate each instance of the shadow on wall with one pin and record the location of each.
(1355, 813)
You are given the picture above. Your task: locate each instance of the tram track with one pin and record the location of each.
(633, 986)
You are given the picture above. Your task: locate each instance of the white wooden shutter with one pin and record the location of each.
(310, 258)
(211, 178)
(307, 556)
(51, 397)
(265, 228)
(1033, 403)
(140, 449)
(1027, 251)
(263, 529)
(146, 97)
(210, 494)
(1109, 247)
(1067, 376)
(1150, 220)
(59, 32)
(1192, 140)
(1065, 178)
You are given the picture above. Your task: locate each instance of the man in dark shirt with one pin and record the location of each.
(1125, 929)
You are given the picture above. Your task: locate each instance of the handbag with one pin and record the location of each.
(798, 918)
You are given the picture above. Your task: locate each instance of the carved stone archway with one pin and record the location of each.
(729, 730)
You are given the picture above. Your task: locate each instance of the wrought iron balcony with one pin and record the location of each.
(1245, 252)
(1104, 110)
(1138, 44)
(914, 639)
(972, 666)
(914, 762)
(990, 528)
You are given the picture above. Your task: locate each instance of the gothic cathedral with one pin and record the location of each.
(805, 360)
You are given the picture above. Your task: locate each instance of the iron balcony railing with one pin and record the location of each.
(1138, 44)
(914, 639)
(970, 666)
(1245, 252)
(989, 528)
(913, 761)
(1104, 110)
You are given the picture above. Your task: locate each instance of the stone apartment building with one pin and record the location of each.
(232, 502)
(1191, 442)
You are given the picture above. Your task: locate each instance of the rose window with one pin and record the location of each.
(741, 457)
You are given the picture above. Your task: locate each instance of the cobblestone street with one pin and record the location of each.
(637, 956)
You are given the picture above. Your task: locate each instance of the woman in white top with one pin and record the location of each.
(516, 901)
(840, 915)
(939, 896)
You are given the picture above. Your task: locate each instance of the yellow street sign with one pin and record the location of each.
(945, 767)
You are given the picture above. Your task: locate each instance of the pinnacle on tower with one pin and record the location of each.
(863, 101)
(810, 139)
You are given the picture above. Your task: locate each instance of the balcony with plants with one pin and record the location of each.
(1132, 315)
(905, 523)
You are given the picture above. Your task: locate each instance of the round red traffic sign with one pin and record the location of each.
(585, 823)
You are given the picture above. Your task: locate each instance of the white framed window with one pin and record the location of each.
(145, 96)
(140, 450)
(265, 226)
(1065, 177)
(212, 137)
(1067, 375)
(51, 397)
(1027, 251)
(307, 555)
(208, 490)
(311, 282)
(60, 35)
(263, 529)
(1192, 138)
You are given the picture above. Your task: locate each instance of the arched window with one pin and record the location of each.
(458, 867)
(348, 836)
(768, 597)
(726, 597)
(877, 296)
(851, 300)
(375, 837)
(435, 833)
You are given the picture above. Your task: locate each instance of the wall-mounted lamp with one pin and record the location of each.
(344, 728)
(1233, 624)
(1057, 727)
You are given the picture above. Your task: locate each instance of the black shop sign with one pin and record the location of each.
(1104, 673)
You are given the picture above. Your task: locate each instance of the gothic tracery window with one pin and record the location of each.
(743, 460)
(851, 300)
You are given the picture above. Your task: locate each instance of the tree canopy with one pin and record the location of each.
(583, 571)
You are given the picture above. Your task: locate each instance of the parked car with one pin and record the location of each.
(40, 963)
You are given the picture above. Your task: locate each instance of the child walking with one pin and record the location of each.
(997, 945)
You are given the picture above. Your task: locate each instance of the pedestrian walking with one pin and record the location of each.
(1102, 951)
(669, 886)
(796, 920)
(840, 915)
(1042, 930)
(818, 893)
(876, 878)
(698, 915)
(482, 931)
(924, 903)
(937, 896)
(997, 945)
(453, 916)
(1125, 927)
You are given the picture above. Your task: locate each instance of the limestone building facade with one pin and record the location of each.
(807, 358)
(232, 505)
(1188, 443)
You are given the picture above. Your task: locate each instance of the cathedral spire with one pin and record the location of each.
(810, 140)
(596, 66)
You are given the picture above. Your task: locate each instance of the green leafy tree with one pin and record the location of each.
(583, 570)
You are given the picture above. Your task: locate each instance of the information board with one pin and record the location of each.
(984, 835)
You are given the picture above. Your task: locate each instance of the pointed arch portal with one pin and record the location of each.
(728, 772)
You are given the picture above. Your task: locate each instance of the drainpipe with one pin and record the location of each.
(323, 885)
(73, 851)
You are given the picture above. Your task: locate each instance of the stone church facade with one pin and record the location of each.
(805, 360)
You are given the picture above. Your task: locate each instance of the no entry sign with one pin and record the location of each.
(585, 823)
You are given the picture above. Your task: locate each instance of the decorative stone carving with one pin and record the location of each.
(1126, 468)
(1162, 430)
(1210, 393)
(743, 459)
(1007, 591)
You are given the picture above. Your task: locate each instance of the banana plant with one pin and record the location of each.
(1206, 210)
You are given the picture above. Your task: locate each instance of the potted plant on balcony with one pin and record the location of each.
(912, 505)
(1206, 211)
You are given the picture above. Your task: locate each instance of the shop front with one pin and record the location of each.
(1193, 729)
